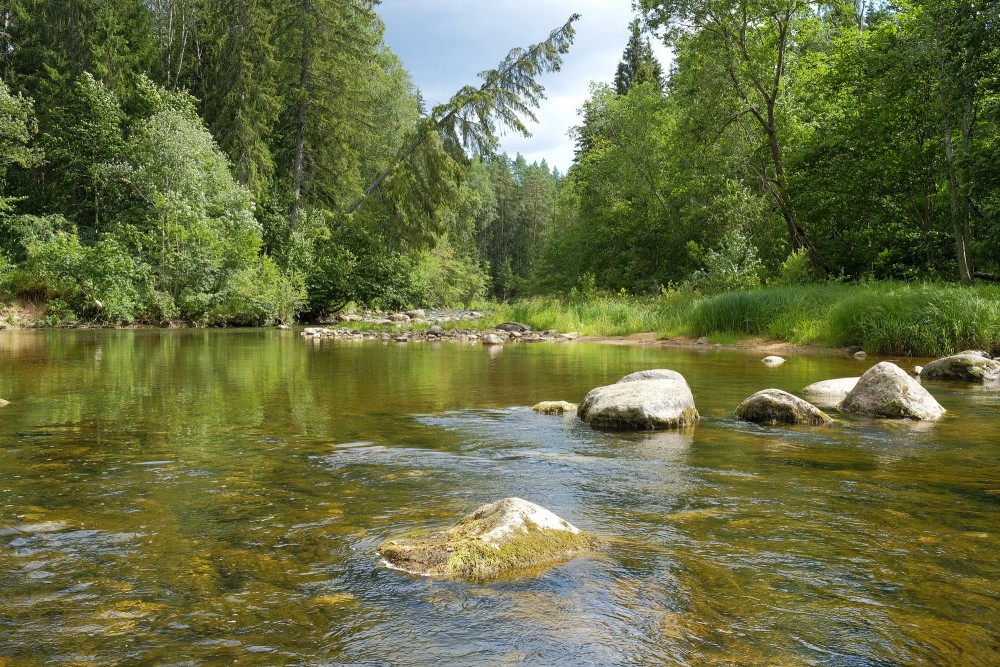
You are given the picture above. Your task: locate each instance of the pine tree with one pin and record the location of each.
(638, 64)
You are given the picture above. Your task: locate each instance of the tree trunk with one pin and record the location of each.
(300, 133)
(958, 220)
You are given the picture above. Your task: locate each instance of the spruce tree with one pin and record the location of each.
(638, 64)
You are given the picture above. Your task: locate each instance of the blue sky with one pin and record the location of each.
(444, 44)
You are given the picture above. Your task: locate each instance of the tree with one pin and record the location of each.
(744, 47)
(638, 64)
(506, 98)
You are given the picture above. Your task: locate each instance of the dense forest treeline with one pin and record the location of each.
(247, 161)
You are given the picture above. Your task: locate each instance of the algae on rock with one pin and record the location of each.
(505, 536)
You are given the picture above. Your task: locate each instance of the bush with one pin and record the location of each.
(734, 265)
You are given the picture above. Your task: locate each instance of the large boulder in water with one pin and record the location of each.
(509, 535)
(885, 390)
(829, 393)
(963, 367)
(661, 403)
(774, 406)
(654, 374)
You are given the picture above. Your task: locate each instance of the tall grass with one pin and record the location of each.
(885, 318)
(917, 320)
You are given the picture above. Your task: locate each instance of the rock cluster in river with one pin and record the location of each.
(434, 333)
(508, 535)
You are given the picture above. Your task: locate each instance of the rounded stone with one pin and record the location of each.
(774, 406)
(640, 405)
(508, 535)
(886, 391)
(965, 367)
(554, 407)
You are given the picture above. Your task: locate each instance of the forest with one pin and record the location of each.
(250, 162)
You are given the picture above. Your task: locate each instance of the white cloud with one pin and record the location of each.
(445, 44)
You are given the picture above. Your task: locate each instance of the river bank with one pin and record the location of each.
(890, 318)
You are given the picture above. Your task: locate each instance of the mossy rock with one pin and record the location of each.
(886, 391)
(554, 407)
(509, 536)
(964, 367)
(773, 406)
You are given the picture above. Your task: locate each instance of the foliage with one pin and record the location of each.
(733, 265)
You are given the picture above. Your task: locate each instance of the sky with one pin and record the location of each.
(444, 44)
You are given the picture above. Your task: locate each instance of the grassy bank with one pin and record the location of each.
(887, 318)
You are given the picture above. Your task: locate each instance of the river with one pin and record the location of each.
(200, 497)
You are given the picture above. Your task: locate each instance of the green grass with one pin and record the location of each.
(923, 319)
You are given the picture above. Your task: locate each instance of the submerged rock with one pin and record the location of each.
(4, 403)
(664, 402)
(774, 406)
(554, 407)
(830, 392)
(509, 535)
(963, 367)
(492, 339)
(772, 361)
(885, 390)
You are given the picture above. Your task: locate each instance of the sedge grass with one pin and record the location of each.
(927, 319)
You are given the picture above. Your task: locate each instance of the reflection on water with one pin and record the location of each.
(199, 497)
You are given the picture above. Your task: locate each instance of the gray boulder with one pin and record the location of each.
(830, 392)
(514, 327)
(885, 390)
(654, 374)
(509, 535)
(773, 406)
(772, 361)
(664, 403)
(554, 407)
(492, 340)
(964, 367)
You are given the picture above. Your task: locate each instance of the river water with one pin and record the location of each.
(207, 497)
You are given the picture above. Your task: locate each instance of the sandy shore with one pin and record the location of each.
(752, 344)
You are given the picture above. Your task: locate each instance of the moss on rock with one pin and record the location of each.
(510, 535)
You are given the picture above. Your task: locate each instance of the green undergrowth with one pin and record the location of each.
(920, 319)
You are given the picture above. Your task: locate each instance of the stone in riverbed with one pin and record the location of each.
(514, 327)
(772, 361)
(654, 374)
(506, 536)
(830, 392)
(885, 390)
(554, 407)
(964, 367)
(664, 402)
(4, 403)
(773, 406)
(492, 340)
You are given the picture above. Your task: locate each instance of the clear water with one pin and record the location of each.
(208, 497)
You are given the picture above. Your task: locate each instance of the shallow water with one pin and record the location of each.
(200, 497)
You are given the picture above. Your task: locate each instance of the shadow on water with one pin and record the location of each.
(196, 497)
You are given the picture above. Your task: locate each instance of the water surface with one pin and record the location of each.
(205, 497)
